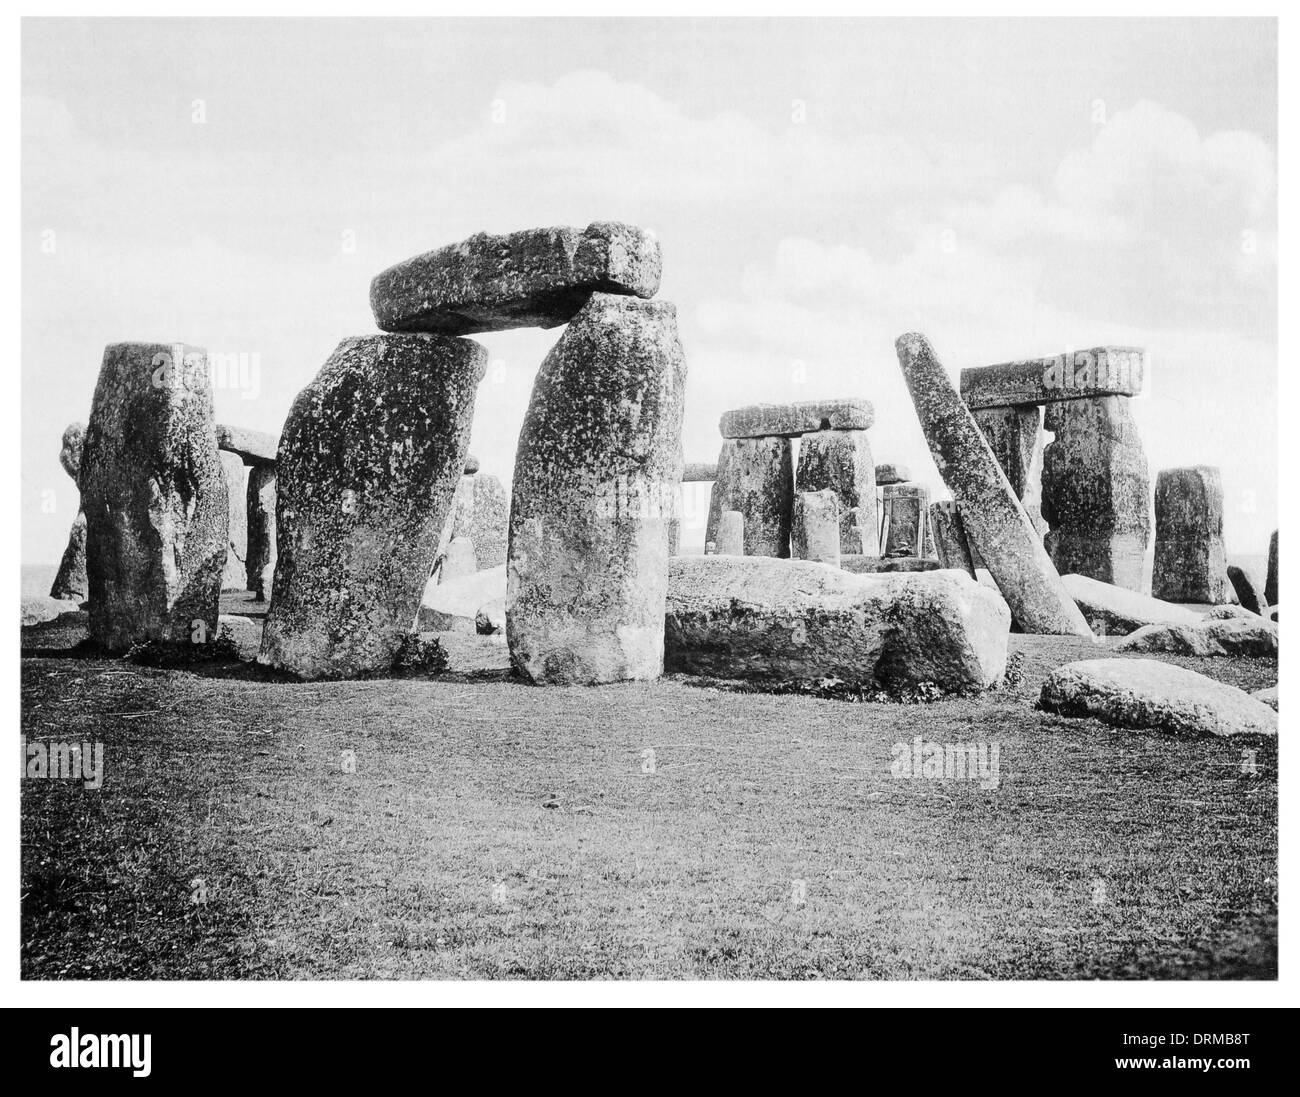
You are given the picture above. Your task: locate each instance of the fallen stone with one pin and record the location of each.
(996, 524)
(1101, 371)
(260, 561)
(731, 534)
(154, 498)
(866, 564)
(1229, 611)
(490, 620)
(1247, 590)
(696, 472)
(235, 576)
(1243, 636)
(533, 278)
(1270, 582)
(1267, 697)
(453, 605)
(840, 461)
(70, 581)
(949, 536)
(369, 460)
(37, 609)
(800, 621)
(892, 474)
(792, 420)
(1016, 437)
(905, 520)
(815, 527)
(755, 477)
(596, 475)
(1118, 611)
(255, 447)
(1149, 694)
(1190, 565)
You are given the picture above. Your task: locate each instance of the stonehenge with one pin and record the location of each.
(905, 520)
(1190, 563)
(815, 527)
(755, 477)
(839, 461)
(949, 536)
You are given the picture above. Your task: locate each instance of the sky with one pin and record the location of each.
(1011, 188)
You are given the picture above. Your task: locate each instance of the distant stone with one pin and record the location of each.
(1149, 694)
(875, 565)
(459, 560)
(533, 278)
(71, 581)
(905, 520)
(256, 447)
(996, 523)
(792, 420)
(596, 476)
(1118, 611)
(1016, 437)
(949, 535)
(369, 460)
(755, 477)
(154, 498)
(800, 621)
(37, 609)
(260, 561)
(1270, 582)
(892, 474)
(1251, 635)
(244, 632)
(1101, 371)
(840, 461)
(471, 464)
(490, 620)
(1267, 697)
(74, 437)
(730, 534)
(453, 605)
(235, 576)
(1190, 564)
(815, 527)
(489, 520)
(696, 472)
(1247, 590)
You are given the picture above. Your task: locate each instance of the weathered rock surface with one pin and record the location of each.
(260, 562)
(486, 520)
(256, 447)
(37, 609)
(892, 474)
(949, 535)
(244, 632)
(235, 576)
(369, 460)
(755, 477)
(490, 620)
(533, 278)
(996, 524)
(731, 534)
(1101, 371)
(154, 498)
(1270, 582)
(1250, 635)
(1118, 611)
(1247, 590)
(74, 437)
(596, 473)
(796, 620)
(453, 605)
(905, 520)
(1148, 694)
(1190, 564)
(1016, 437)
(866, 564)
(815, 528)
(70, 581)
(696, 472)
(800, 417)
(840, 461)
(1267, 697)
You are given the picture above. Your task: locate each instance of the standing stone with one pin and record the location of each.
(731, 534)
(480, 511)
(154, 498)
(235, 576)
(1190, 564)
(949, 535)
(815, 529)
(1249, 596)
(1270, 582)
(459, 561)
(260, 562)
(906, 517)
(598, 464)
(1096, 492)
(1016, 437)
(368, 462)
(755, 477)
(70, 581)
(840, 460)
(995, 522)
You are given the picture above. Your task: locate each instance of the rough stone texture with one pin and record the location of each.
(755, 477)
(862, 537)
(154, 498)
(892, 474)
(696, 472)
(815, 527)
(480, 511)
(369, 460)
(533, 278)
(905, 520)
(949, 536)
(1096, 494)
(260, 562)
(596, 473)
(731, 534)
(1117, 611)
(74, 437)
(1247, 590)
(235, 576)
(840, 460)
(1190, 565)
(1250, 635)
(1270, 583)
(1267, 697)
(37, 608)
(796, 620)
(245, 632)
(1148, 694)
(792, 420)
(871, 565)
(996, 524)
(453, 605)
(1101, 371)
(1016, 437)
(256, 447)
(70, 581)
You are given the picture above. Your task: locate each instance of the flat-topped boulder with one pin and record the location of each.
(1100, 371)
(792, 420)
(1148, 694)
(532, 278)
(796, 620)
(1117, 611)
(256, 447)
(1248, 634)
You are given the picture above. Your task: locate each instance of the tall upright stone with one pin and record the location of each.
(840, 461)
(1270, 581)
(235, 576)
(368, 462)
(949, 535)
(1096, 492)
(598, 464)
(755, 477)
(905, 520)
(731, 534)
(1016, 437)
(815, 528)
(1190, 563)
(995, 521)
(70, 581)
(260, 562)
(154, 498)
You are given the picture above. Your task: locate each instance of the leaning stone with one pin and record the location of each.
(1270, 582)
(872, 565)
(1101, 371)
(1247, 590)
(1118, 611)
(256, 447)
(235, 575)
(453, 605)
(840, 460)
(755, 477)
(996, 523)
(154, 498)
(892, 474)
(1016, 437)
(1242, 636)
(1267, 697)
(70, 580)
(792, 420)
(815, 527)
(949, 535)
(699, 471)
(731, 534)
(74, 437)
(800, 621)
(1190, 565)
(597, 469)
(533, 278)
(369, 459)
(1149, 694)
(260, 562)
(905, 520)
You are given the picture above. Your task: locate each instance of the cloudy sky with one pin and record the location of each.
(1010, 188)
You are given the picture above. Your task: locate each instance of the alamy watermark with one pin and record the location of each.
(948, 762)
(64, 761)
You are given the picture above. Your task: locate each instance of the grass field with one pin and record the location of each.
(490, 829)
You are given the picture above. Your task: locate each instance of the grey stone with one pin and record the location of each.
(1016, 437)
(369, 460)
(481, 512)
(459, 560)
(235, 576)
(1118, 611)
(533, 278)
(260, 562)
(490, 620)
(453, 605)
(74, 437)
(871, 565)
(244, 632)
(815, 527)
(801, 417)
(471, 464)
(1247, 590)
(38, 609)
(892, 474)
(1251, 635)
(1267, 697)
(699, 471)
(949, 535)
(154, 498)
(1190, 564)
(1148, 694)
(755, 477)
(70, 581)
(996, 524)
(840, 460)
(1270, 583)
(905, 520)
(597, 470)
(731, 534)
(255, 447)
(1101, 371)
